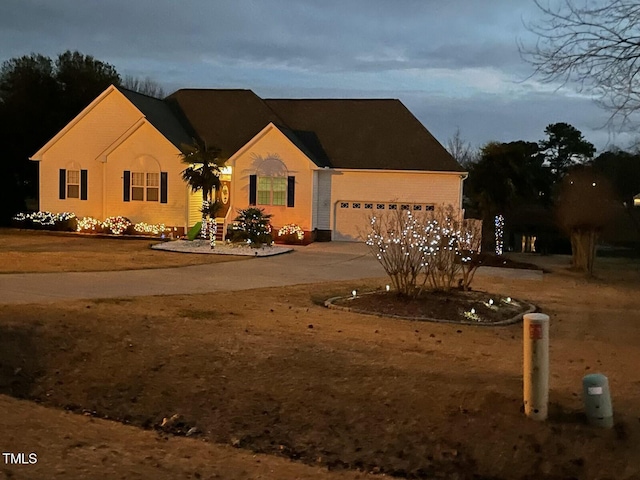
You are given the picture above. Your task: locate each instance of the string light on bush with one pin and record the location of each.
(499, 228)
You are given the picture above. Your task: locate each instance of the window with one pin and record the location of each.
(145, 185)
(404, 207)
(429, 207)
(393, 206)
(355, 205)
(344, 204)
(272, 190)
(368, 206)
(73, 183)
(380, 206)
(417, 207)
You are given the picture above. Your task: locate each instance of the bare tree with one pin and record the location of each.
(146, 87)
(585, 206)
(464, 153)
(596, 45)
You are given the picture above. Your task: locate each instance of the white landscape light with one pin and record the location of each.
(388, 288)
(491, 301)
(353, 293)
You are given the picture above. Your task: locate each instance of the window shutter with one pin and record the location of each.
(253, 188)
(163, 187)
(291, 191)
(127, 186)
(83, 184)
(63, 184)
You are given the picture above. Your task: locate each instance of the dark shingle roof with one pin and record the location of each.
(365, 134)
(227, 119)
(160, 115)
(353, 134)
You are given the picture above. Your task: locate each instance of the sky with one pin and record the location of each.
(455, 64)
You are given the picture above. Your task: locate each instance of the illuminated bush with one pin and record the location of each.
(89, 225)
(46, 221)
(291, 233)
(116, 225)
(426, 250)
(252, 226)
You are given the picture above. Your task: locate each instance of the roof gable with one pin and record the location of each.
(160, 115)
(227, 119)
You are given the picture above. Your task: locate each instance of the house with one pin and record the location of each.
(323, 164)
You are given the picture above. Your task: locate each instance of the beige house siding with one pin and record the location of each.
(146, 151)
(360, 187)
(79, 147)
(271, 153)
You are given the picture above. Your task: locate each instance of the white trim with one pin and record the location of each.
(464, 175)
(121, 139)
(257, 137)
(38, 155)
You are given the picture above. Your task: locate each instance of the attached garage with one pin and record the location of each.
(352, 217)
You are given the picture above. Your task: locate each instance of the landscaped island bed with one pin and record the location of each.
(273, 371)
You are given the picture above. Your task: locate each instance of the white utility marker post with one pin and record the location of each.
(536, 365)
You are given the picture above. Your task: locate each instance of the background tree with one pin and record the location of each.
(585, 205)
(146, 86)
(622, 169)
(38, 97)
(595, 46)
(461, 150)
(506, 174)
(564, 147)
(203, 175)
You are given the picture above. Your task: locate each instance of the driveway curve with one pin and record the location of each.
(318, 262)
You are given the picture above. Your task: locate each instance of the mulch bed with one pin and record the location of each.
(451, 306)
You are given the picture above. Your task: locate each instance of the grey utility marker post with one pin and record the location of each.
(536, 365)
(597, 400)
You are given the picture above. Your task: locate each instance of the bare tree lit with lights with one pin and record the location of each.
(425, 250)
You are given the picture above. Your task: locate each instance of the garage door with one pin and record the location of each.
(352, 216)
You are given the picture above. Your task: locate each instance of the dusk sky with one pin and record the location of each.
(452, 63)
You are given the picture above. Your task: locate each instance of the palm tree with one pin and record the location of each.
(203, 174)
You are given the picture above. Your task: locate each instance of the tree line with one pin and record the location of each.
(560, 175)
(39, 95)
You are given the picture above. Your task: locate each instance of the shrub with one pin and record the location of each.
(150, 229)
(291, 233)
(116, 225)
(89, 225)
(422, 251)
(46, 221)
(251, 225)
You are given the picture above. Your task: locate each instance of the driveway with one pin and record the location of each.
(318, 262)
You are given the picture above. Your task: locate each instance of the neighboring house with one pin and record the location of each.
(636, 200)
(325, 165)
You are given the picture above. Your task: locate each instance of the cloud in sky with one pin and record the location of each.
(452, 63)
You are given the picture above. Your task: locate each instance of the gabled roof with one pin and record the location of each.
(350, 134)
(227, 119)
(364, 134)
(160, 115)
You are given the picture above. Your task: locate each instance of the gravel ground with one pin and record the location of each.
(221, 248)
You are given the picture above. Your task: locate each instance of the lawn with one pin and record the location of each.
(27, 251)
(270, 371)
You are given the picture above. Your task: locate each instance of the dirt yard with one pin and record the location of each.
(272, 372)
(28, 251)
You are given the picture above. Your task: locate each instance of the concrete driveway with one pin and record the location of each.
(318, 262)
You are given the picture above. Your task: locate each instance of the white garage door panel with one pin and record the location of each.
(352, 217)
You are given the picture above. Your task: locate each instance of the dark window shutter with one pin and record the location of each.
(83, 184)
(63, 184)
(163, 187)
(127, 186)
(253, 189)
(291, 191)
